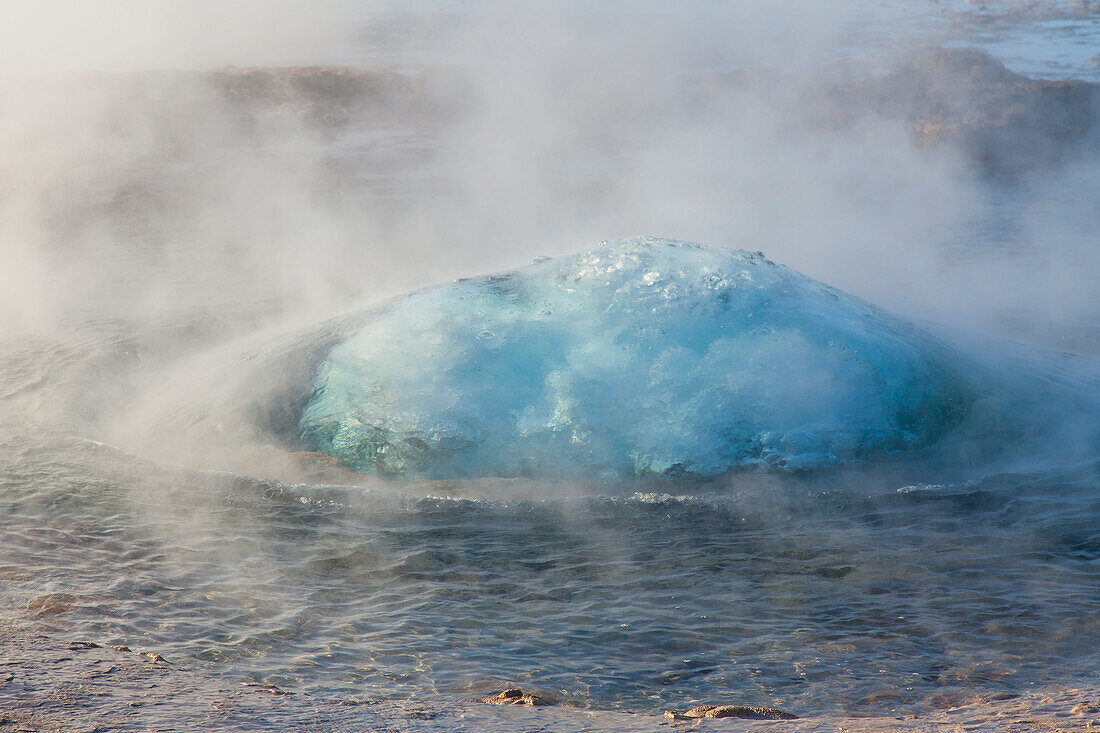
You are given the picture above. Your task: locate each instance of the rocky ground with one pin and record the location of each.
(57, 686)
(1005, 123)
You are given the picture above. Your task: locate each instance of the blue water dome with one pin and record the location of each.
(637, 358)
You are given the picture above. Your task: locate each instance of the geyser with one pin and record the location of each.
(637, 358)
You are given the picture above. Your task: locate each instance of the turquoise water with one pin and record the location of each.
(637, 358)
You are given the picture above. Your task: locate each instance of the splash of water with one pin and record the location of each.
(637, 358)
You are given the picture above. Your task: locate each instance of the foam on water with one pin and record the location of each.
(639, 357)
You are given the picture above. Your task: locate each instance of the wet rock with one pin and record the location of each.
(516, 696)
(963, 100)
(1005, 122)
(270, 689)
(322, 93)
(327, 96)
(732, 711)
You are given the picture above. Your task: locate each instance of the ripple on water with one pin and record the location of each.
(811, 600)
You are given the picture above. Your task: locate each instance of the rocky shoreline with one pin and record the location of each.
(1004, 123)
(56, 686)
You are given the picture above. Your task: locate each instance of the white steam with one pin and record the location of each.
(143, 35)
(130, 191)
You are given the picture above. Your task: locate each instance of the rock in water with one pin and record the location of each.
(516, 696)
(731, 711)
(637, 358)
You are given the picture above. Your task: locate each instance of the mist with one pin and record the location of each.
(201, 201)
(169, 35)
(202, 174)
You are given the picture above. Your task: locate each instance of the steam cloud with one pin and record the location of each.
(138, 184)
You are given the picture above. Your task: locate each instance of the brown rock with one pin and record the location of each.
(735, 711)
(1005, 122)
(516, 696)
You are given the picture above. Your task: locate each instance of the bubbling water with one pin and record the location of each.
(637, 358)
